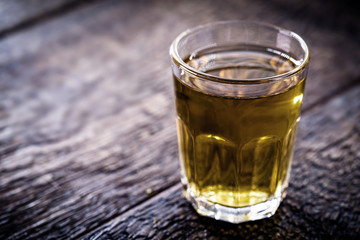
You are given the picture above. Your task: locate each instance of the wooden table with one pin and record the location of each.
(87, 133)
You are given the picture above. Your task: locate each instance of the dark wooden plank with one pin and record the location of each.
(100, 174)
(323, 200)
(86, 121)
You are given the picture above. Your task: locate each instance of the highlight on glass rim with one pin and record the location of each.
(238, 92)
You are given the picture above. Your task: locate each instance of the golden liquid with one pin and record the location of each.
(237, 151)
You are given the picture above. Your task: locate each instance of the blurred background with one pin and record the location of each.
(59, 51)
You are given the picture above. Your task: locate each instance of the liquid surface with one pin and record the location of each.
(237, 151)
(245, 62)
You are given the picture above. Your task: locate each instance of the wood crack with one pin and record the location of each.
(46, 16)
(350, 85)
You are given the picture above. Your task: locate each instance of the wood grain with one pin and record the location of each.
(322, 202)
(86, 108)
(104, 167)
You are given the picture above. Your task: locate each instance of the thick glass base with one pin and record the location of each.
(229, 214)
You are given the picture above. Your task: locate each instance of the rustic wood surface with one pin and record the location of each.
(87, 132)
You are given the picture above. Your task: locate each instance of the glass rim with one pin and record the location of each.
(174, 54)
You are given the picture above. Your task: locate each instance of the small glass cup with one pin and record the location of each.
(238, 92)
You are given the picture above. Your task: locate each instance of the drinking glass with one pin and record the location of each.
(238, 92)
